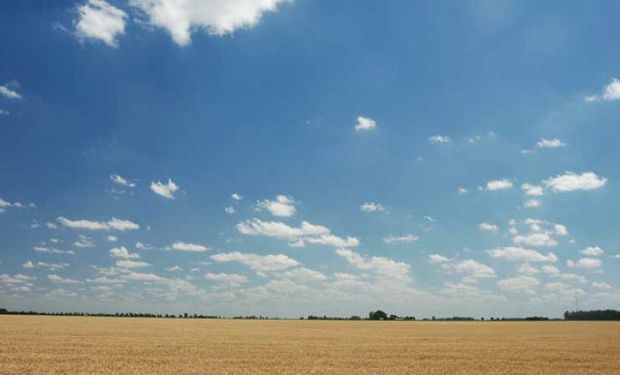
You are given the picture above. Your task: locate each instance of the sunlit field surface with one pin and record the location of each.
(74, 345)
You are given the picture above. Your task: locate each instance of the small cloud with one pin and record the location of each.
(165, 190)
(9, 90)
(570, 181)
(462, 191)
(407, 238)
(501, 184)
(587, 263)
(365, 123)
(121, 181)
(236, 197)
(281, 206)
(230, 210)
(487, 227)
(111, 238)
(592, 251)
(99, 20)
(550, 143)
(532, 203)
(184, 246)
(533, 190)
(438, 139)
(123, 253)
(610, 92)
(371, 207)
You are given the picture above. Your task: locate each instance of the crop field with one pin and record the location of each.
(76, 345)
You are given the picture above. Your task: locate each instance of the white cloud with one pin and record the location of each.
(550, 270)
(535, 239)
(230, 210)
(181, 17)
(550, 143)
(258, 263)
(438, 258)
(174, 269)
(532, 203)
(111, 238)
(141, 246)
(28, 264)
(138, 276)
(571, 182)
(439, 139)
(588, 263)
(236, 197)
(114, 224)
(297, 237)
(462, 191)
(522, 255)
(407, 238)
(165, 190)
(592, 251)
(127, 263)
(601, 285)
(533, 190)
(527, 269)
(184, 246)
(383, 267)
(282, 206)
(84, 242)
(122, 252)
(519, 284)
(4, 112)
(121, 181)
(371, 207)
(610, 92)
(471, 270)
(227, 278)
(8, 92)
(365, 123)
(100, 20)
(60, 280)
(501, 184)
(487, 227)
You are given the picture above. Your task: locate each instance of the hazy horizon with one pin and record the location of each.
(310, 157)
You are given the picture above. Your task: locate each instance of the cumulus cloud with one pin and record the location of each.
(84, 242)
(601, 285)
(525, 284)
(230, 210)
(100, 20)
(122, 252)
(532, 203)
(371, 207)
(236, 197)
(438, 139)
(61, 280)
(258, 263)
(191, 247)
(381, 266)
(407, 238)
(572, 182)
(462, 191)
(181, 17)
(438, 258)
(533, 190)
(114, 224)
(281, 206)
(227, 278)
(121, 181)
(127, 263)
(166, 190)
(365, 123)
(535, 239)
(521, 255)
(8, 91)
(470, 270)
(610, 92)
(587, 263)
(488, 227)
(592, 251)
(296, 236)
(550, 143)
(501, 184)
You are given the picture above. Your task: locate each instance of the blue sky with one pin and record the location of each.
(309, 157)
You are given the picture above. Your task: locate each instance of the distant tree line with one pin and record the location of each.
(373, 315)
(592, 315)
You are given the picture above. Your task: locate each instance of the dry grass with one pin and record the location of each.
(68, 345)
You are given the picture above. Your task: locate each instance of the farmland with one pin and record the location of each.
(59, 345)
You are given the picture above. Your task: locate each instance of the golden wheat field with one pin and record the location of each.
(88, 345)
